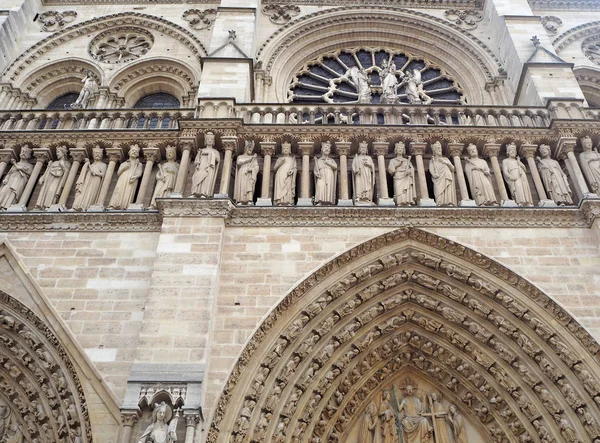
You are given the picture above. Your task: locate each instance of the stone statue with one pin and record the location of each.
(326, 176)
(245, 175)
(387, 417)
(285, 176)
(515, 174)
(368, 425)
(205, 175)
(160, 430)
(415, 427)
(403, 173)
(129, 173)
(361, 82)
(479, 176)
(166, 176)
(414, 89)
(87, 187)
(442, 174)
(53, 179)
(590, 164)
(16, 179)
(389, 82)
(4, 418)
(90, 86)
(457, 423)
(439, 416)
(555, 180)
(363, 175)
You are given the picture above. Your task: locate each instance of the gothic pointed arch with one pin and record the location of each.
(463, 56)
(589, 81)
(410, 307)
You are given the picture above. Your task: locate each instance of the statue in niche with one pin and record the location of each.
(403, 173)
(326, 176)
(363, 174)
(87, 187)
(16, 179)
(479, 176)
(129, 173)
(515, 174)
(439, 417)
(555, 180)
(162, 429)
(205, 175)
(90, 86)
(368, 425)
(285, 169)
(414, 89)
(53, 179)
(389, 82)
(590, 164)
(245, 175)
(415, 427)
(166, 176)
(442, 174)
(387, 417)
(360, 79)
(457, 424)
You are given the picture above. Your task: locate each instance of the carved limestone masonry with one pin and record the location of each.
(54, 20)
(200, 19)
(591, 48)
(280, 14)
(466, 19)
(551, 24)
(510, 360)
(121, 45)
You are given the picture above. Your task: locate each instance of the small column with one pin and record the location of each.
(102, 98)
(564, 151)
(267, 149)
(115, 155)
(152, 155)
(78, 155)
(455, 150)
(3, 95)
(343, 148)
(229, 145)
(191, 421)
(306, 148)
(186, 149)
(491, 150)
(528, 151)
(128, 420)
(383, 196)
(42, 155)
(6, 155)
(418, 150)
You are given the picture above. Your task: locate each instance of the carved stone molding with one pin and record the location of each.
(120, 45)
(54, 20)
(551, 24)
(591, 48)
(200, 19)
(513, 359)
(280, 14)
(576, 33)
(564, 5)
(195, 207)
(87, 222)
(476, 4)
(466, 19)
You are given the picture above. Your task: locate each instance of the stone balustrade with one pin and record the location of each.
(87, 178)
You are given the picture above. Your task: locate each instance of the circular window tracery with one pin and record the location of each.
(373, 75)
(591, 48)
(121, 45)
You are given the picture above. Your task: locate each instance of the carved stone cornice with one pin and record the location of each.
(427, 4)
(195, 207)
(565, 5)
(81, 221)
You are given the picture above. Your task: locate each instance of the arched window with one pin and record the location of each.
(159, 100)
(63, 101)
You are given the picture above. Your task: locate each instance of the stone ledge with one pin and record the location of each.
(150, 221)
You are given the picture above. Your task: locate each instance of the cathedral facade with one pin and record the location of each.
(322, 221)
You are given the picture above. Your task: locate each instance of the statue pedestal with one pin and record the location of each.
(57, 208)
(467, 203)
(509, 204)
(386, 202)
(96, 208)
(16, 208)
(547, 204)
(426, 202)
(136, 207)
(305, 202)
(264, 202)
(346, 202)
(175, 195)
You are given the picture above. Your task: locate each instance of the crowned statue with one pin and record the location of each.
(163, 427)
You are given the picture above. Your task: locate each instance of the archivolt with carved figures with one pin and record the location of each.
(412, 308)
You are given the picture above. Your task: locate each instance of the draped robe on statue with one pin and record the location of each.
(404, 180)
(129, 172)
(14, 183)
(285, 180)
(326, 175)
(443, 181)
(516, 177)
(53, 181)
(205, 176)
(478, 173)
(364, 178)
(590, 164)
(87, 187)
(165, 181)
(555, 181)
(245, 179)
(415, 428)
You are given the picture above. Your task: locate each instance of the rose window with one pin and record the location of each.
(121, 45)
(369, 75)
(591, 48)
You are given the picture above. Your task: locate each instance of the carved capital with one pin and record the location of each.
(417, 148)
(528, 150)
(267, 148)
(491, 150)
(7, 154)
(343, 148)
(229, 143)
(152, 154)
(380, 148)
(129, 418)
(186, 145)
(191, 419)
(565, 146)
(42, 154)
(114, 154)
(455, 149)
(78, 154)
(306, 148)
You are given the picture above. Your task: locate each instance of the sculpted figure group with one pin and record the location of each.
(57, 179)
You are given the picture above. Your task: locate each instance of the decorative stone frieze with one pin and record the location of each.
(200, 19)
(466, 19)
(280, 14)
(52, 21)
(551, 24)
(591, 48)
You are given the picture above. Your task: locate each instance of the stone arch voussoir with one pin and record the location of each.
(413, 304)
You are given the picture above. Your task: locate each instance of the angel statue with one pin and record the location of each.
(414, 89)
(90, 86)
(162, 429)
(361, 82)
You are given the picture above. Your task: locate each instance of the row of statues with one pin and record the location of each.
(442, 171)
